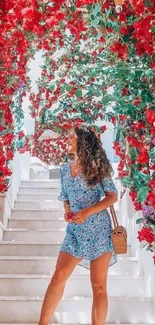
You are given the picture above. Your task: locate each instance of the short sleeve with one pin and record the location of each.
(63, 195)
(107, 185)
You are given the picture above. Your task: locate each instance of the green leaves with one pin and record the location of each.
(107, 99)
(142, 194)
(96, 9)
(133, 153)
(51, 86)
(95, 110)
(95, 15)
(69, 88)
(152, 154)
(62, 90)
(152, 221)
(97, 93)
(148, 3)
(140, 220)
(95, 22)
(78, 93)
(94, 72)
(127, 181)
(61, 24)
(141, 180)
(153, 29)
(141, 106)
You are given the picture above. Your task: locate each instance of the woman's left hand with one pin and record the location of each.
(81, 216)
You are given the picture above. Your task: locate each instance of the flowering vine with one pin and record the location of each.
(99, 64)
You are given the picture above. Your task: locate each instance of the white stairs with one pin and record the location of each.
(28, 255)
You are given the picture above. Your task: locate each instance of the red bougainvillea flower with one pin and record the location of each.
(21, 135)
(51, 22)
(137, 206)
(9, 155)
(133, 196)
(124, 30)
(119, 151)
(6, 171)
(146, 234)
(139, 125)
(3, 187)
(120, 49)
(152, 166)
(151, 198)
(150, 116)
(152, 184)
(122, 17)
(138, 7)
(134, 142)
(67, 126)
(81, 3)
(2, 158)
(122, 173)
(121, 165)
(7, 139)
(103, 128)
(152, 65)
(137, 101)
(144, 34)
(124, 91)
(143, 157)
(113, 120)
(152, 130)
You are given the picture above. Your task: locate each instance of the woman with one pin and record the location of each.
(84, 182)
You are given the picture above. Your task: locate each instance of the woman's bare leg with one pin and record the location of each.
(99, 270)
(65, 266)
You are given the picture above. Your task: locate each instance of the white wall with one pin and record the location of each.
(107, 141)
(34, 74)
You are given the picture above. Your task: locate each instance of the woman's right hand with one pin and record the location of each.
(67, 217)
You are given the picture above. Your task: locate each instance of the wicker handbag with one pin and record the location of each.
(119, 235)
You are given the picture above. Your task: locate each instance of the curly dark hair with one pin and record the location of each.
(92, 157)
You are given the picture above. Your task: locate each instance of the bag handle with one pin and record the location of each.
(114, 218)
(112, 211)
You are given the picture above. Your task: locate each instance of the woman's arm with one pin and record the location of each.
(82, 215)
(67, 211)
(67, 206)
(63, 196)
(110, 199)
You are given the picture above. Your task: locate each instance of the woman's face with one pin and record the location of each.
(72, 142)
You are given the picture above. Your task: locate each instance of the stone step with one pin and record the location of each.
(12, 248)
(38, 213)
(75, 310)
(24, 285)
(37, 223)
(37, 196)
(39, 236)
(41, 183)
(20, 248)
(38, 204)
(126, 266)
(39, 190)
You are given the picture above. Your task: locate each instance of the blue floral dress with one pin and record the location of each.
(92, 238)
